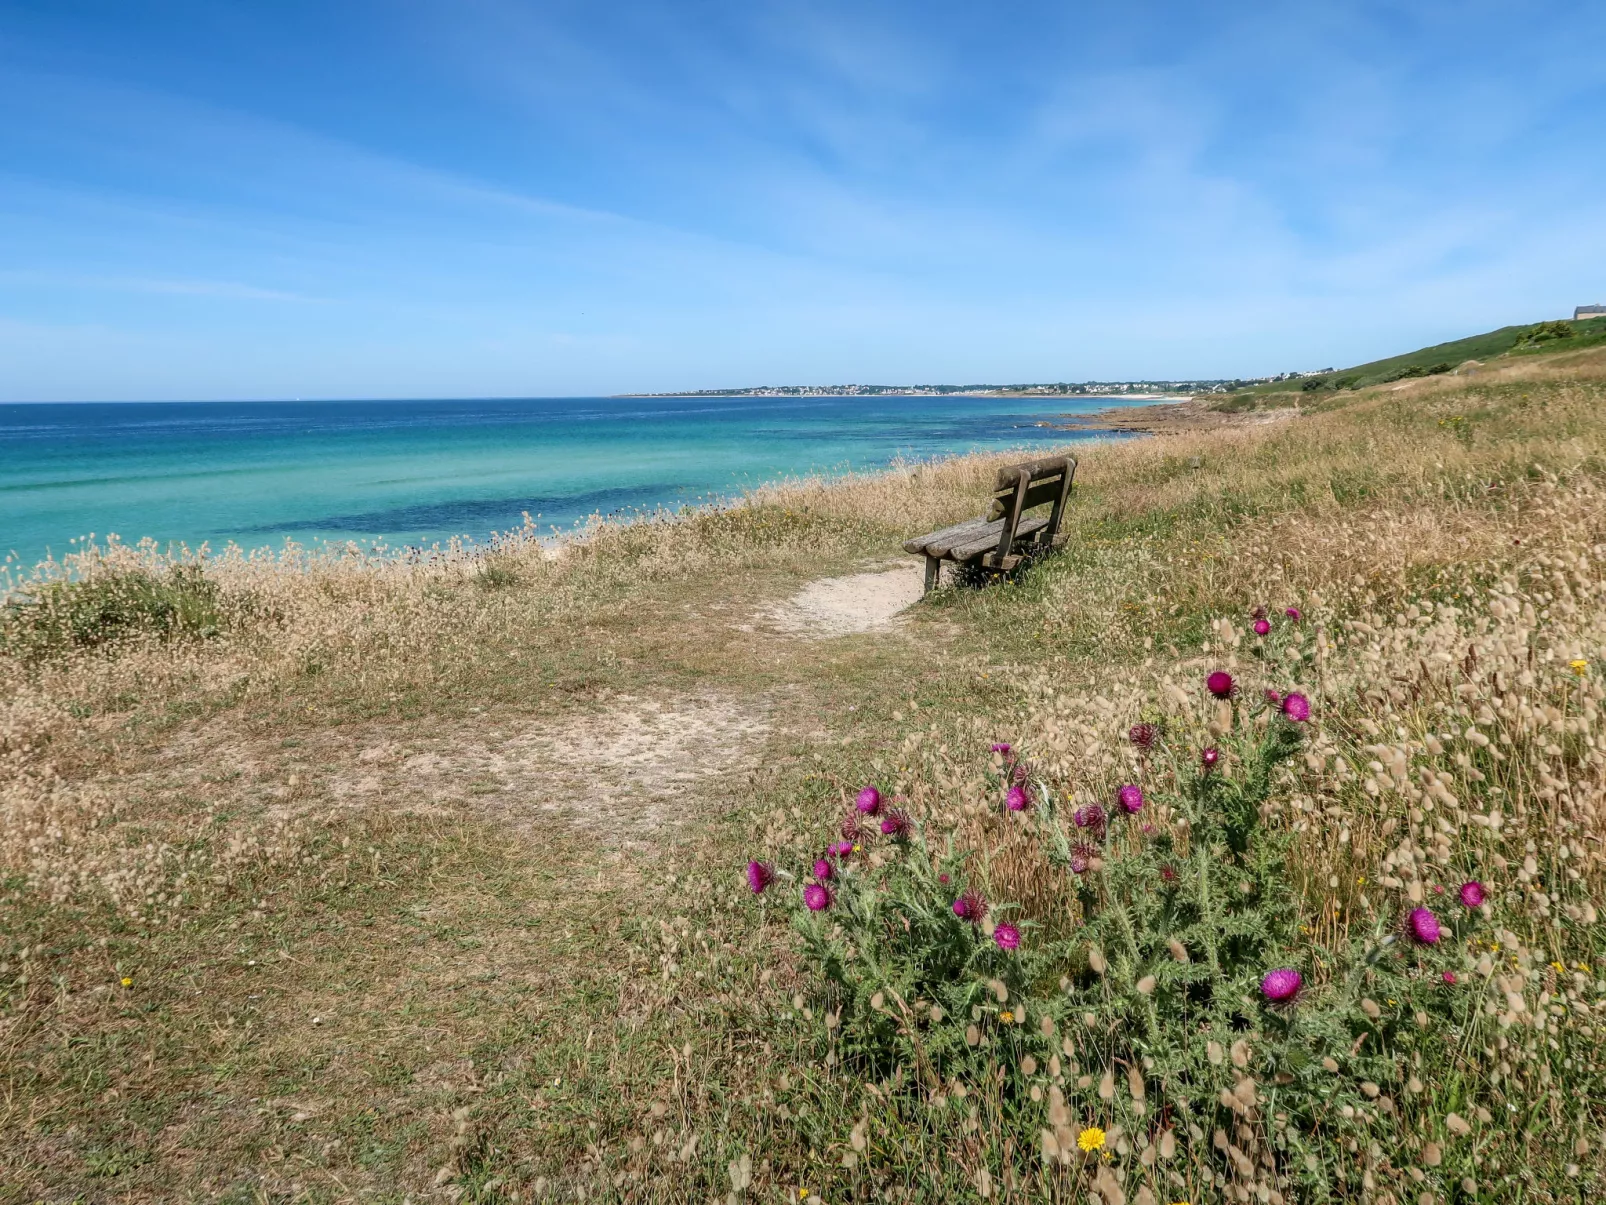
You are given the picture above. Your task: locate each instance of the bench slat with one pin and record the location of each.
(963, 551)
(946, 536)
(1051, 466)
(981, 532)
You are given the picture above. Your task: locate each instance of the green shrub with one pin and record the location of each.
(103, 610)
(1545, 332)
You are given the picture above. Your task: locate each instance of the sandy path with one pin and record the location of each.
(842, 606)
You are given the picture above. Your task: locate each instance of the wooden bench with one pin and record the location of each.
(1000, 540)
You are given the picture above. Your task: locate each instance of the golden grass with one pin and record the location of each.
(159, 820)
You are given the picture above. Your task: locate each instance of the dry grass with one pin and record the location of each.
(533, 975)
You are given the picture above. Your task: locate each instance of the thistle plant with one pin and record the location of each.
(1184, 970)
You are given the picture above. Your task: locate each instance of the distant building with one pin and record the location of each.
(1589, 311)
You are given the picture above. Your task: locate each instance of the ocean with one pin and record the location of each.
(410, 473)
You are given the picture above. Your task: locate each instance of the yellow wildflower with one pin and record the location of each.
(1579, 666)
(1558, 968)
(126, 981)
(1090, 1139)
(1007, 1017)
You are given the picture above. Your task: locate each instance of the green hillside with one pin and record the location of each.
(1538, 339)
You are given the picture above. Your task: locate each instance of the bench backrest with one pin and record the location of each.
(1020, 487)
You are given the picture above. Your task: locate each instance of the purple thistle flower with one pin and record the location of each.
(1017, 800)
(895, 824)
(1262, 627)
(1143, 736)
(1210, 757)
(1092, 816)
(851, 829)
(1424, 926)
(759, 876)
(1130, 798)
(1006, 937)
(1020, 773)
(1449, 977)
(1472, 893)
(1082, 857)
(817, 896)
(1293, 613)
(1168, 874)
(1297, 708)
(869, 801)
(823, 869)
(1221, 684)
(971, 906)
(1273, 698)
(841, 850)
(1259, 613)
(1281, 986)
(1000, 746)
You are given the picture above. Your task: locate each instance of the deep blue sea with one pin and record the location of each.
(420, 472)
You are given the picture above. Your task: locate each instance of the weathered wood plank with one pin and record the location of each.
(987, 533)
(1039, 493)
(1049, 466)
(963, 551)
(959, 530)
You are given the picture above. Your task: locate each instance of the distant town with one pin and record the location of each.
(1050, 389)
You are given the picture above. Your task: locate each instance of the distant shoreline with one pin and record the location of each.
(1002, 393)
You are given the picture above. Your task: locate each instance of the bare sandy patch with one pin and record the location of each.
(843, 606)
(630, 768)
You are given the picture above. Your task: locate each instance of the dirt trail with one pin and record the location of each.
(859, 602)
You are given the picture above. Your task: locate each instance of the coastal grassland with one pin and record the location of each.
(397, 920)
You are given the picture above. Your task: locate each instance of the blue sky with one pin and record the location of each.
(319, 198)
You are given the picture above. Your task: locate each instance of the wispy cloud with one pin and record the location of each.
(528, 197)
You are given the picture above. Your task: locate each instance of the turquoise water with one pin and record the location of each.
(421, 472)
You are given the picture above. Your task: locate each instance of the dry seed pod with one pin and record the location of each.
(1178, 950)
(972, 1035)
(1432, 1155)
(1240, 1053)
(1214, 1053)
(1456, 1124)
(1168, 1145)
(1134, 1083)
(1107, 1086)
(1146, 985)
(1095, 961)
(1028, 1065)
(1000, 992)
(1370, 1008)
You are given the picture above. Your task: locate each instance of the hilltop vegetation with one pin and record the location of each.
(331, 879)
(1542, 337)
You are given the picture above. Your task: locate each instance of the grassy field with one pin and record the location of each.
(339, 880)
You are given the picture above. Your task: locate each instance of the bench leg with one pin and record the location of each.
(933, 570)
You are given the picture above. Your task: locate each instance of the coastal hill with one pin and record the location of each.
(1537, 339)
